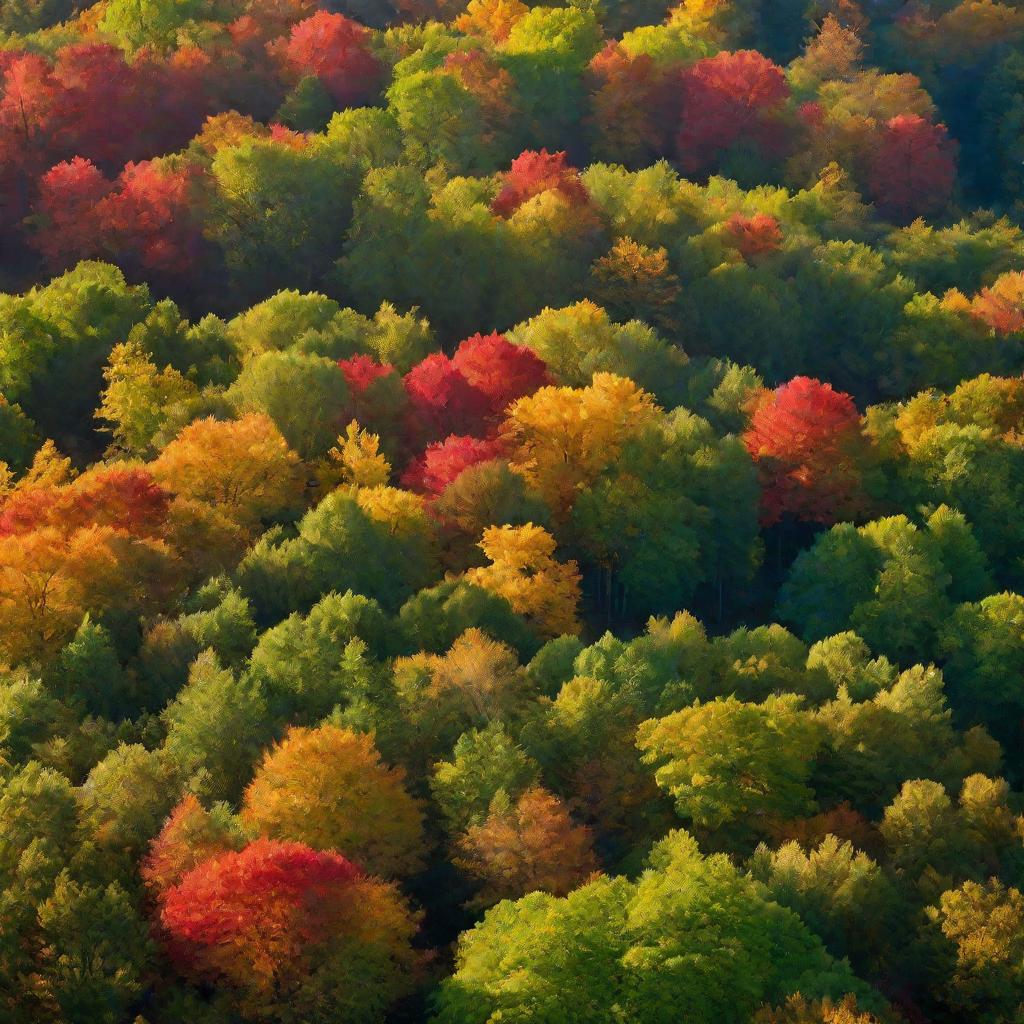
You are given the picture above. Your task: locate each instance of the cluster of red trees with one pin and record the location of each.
(79, 131)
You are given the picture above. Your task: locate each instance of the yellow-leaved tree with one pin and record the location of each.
(359, 459)
(562, 438)
(525, 572)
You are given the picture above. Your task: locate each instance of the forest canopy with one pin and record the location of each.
(511, 512)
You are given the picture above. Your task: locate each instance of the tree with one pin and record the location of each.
(89, 672)
(339, 546)
(93, 544)
(806, 440)
(982, 642)
(289, 929)
(442, 122)
(754, 236)
(305, 395)
(984, 924)
(912, 169)
(434, 618)
(123, 803)
(138, 23)
(501, 370)
(586, 743)
(629, 104)
(483, 494)
(840, 892)
(243, 468)
(890, 581)
(616, 947)
(145, 220)
(95, 950)
(728, 99)
(1001, 306)
(525, 572)
(359, 457)
(216, 727)
(727, 760)
(921, 832)
(636, 282)
(190, 835)
(524, 846)
(484, 763)
(492, 19)
(443, 462)
(137, 396)
(336, 51)
(442, 401)
(562, 438)
(279, 212)
(327, 787)
(477, 682)
(314, 664)
(531, 174)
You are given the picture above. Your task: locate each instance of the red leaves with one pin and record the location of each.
(754, 235)
(805, 438)
(90, 102)
(122, 499)
(189, 837)
(335, 49)
(145, 218)
(726, 99)
(441, 400)
(69, 196)
(912, 171)
(464, 395)
(531, 174)
(361, 371)
(501, 370)
(255, 910)
(443, 462)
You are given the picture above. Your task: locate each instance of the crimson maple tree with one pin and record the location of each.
(444, 462)
(805, 438)
(501, 370)
(534, 172)
(336, 50)
(912, 169)
(725, 99)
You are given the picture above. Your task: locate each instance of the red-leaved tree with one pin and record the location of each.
(531, 174)
(725, 99)
(755, 235)
(913, 168)
(501, 370)
(807, 443)
(146, 221)
(257, 910)
(280, 921)
(442, 401)
(336, 50)
(444, 461)
(123, 498)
